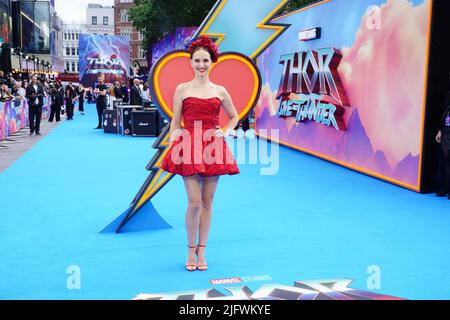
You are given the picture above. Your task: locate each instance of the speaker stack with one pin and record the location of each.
(145, 123)
(124, 113)
(111, 122)
(136, 120)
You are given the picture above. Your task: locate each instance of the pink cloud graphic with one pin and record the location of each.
(384, 74)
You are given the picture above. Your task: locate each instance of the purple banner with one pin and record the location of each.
(14, 116)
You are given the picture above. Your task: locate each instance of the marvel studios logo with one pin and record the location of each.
(240, 280)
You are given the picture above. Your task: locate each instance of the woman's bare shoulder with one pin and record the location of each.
(182, 88)
(222, 91)
(218, 87)
(183, 85)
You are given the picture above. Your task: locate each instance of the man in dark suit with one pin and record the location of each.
(124, 89)
(70, 96)
(118, 90)
(135, 94)
(35, 97)
(56, 103)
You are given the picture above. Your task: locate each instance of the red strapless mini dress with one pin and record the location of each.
(198, 151)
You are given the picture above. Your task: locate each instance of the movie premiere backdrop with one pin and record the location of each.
(347, 82)
(106, 55)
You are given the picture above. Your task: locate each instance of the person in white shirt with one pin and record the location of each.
(145, 93)
(19, 92)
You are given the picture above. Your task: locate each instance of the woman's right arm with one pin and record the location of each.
(175, 124)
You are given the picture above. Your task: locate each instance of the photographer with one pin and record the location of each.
(35, 96)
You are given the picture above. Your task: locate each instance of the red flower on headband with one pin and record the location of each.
(206, 43)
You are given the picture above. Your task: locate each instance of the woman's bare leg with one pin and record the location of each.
(209, 185)
(194, 193)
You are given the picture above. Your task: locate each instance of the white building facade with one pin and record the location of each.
(70, 36)
(99, 20)
(57, 47)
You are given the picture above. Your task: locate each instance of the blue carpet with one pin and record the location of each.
(312, 220)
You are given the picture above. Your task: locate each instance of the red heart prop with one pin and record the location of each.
(234, 71)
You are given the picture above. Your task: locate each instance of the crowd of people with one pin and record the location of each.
(64, 97)
(34, 89)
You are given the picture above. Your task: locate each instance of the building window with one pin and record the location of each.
(67, 51)
(77, 35)
(73, 66)
(67, 66)
(105, 21)
(124, 15)
(73, 51)
(94, 20)
(125, 32)
(65, 36)
(141, 36)
(78, 52)
(142, 53)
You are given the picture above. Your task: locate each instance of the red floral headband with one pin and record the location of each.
(206, 43)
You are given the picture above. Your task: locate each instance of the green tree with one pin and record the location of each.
(295, 4)
(157, 18)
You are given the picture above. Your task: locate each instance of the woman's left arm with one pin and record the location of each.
(228, 105)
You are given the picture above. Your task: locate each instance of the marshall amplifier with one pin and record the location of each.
(145, 123)
(111, 121)
(125, 118)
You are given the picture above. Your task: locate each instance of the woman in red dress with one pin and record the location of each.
(198, 152)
